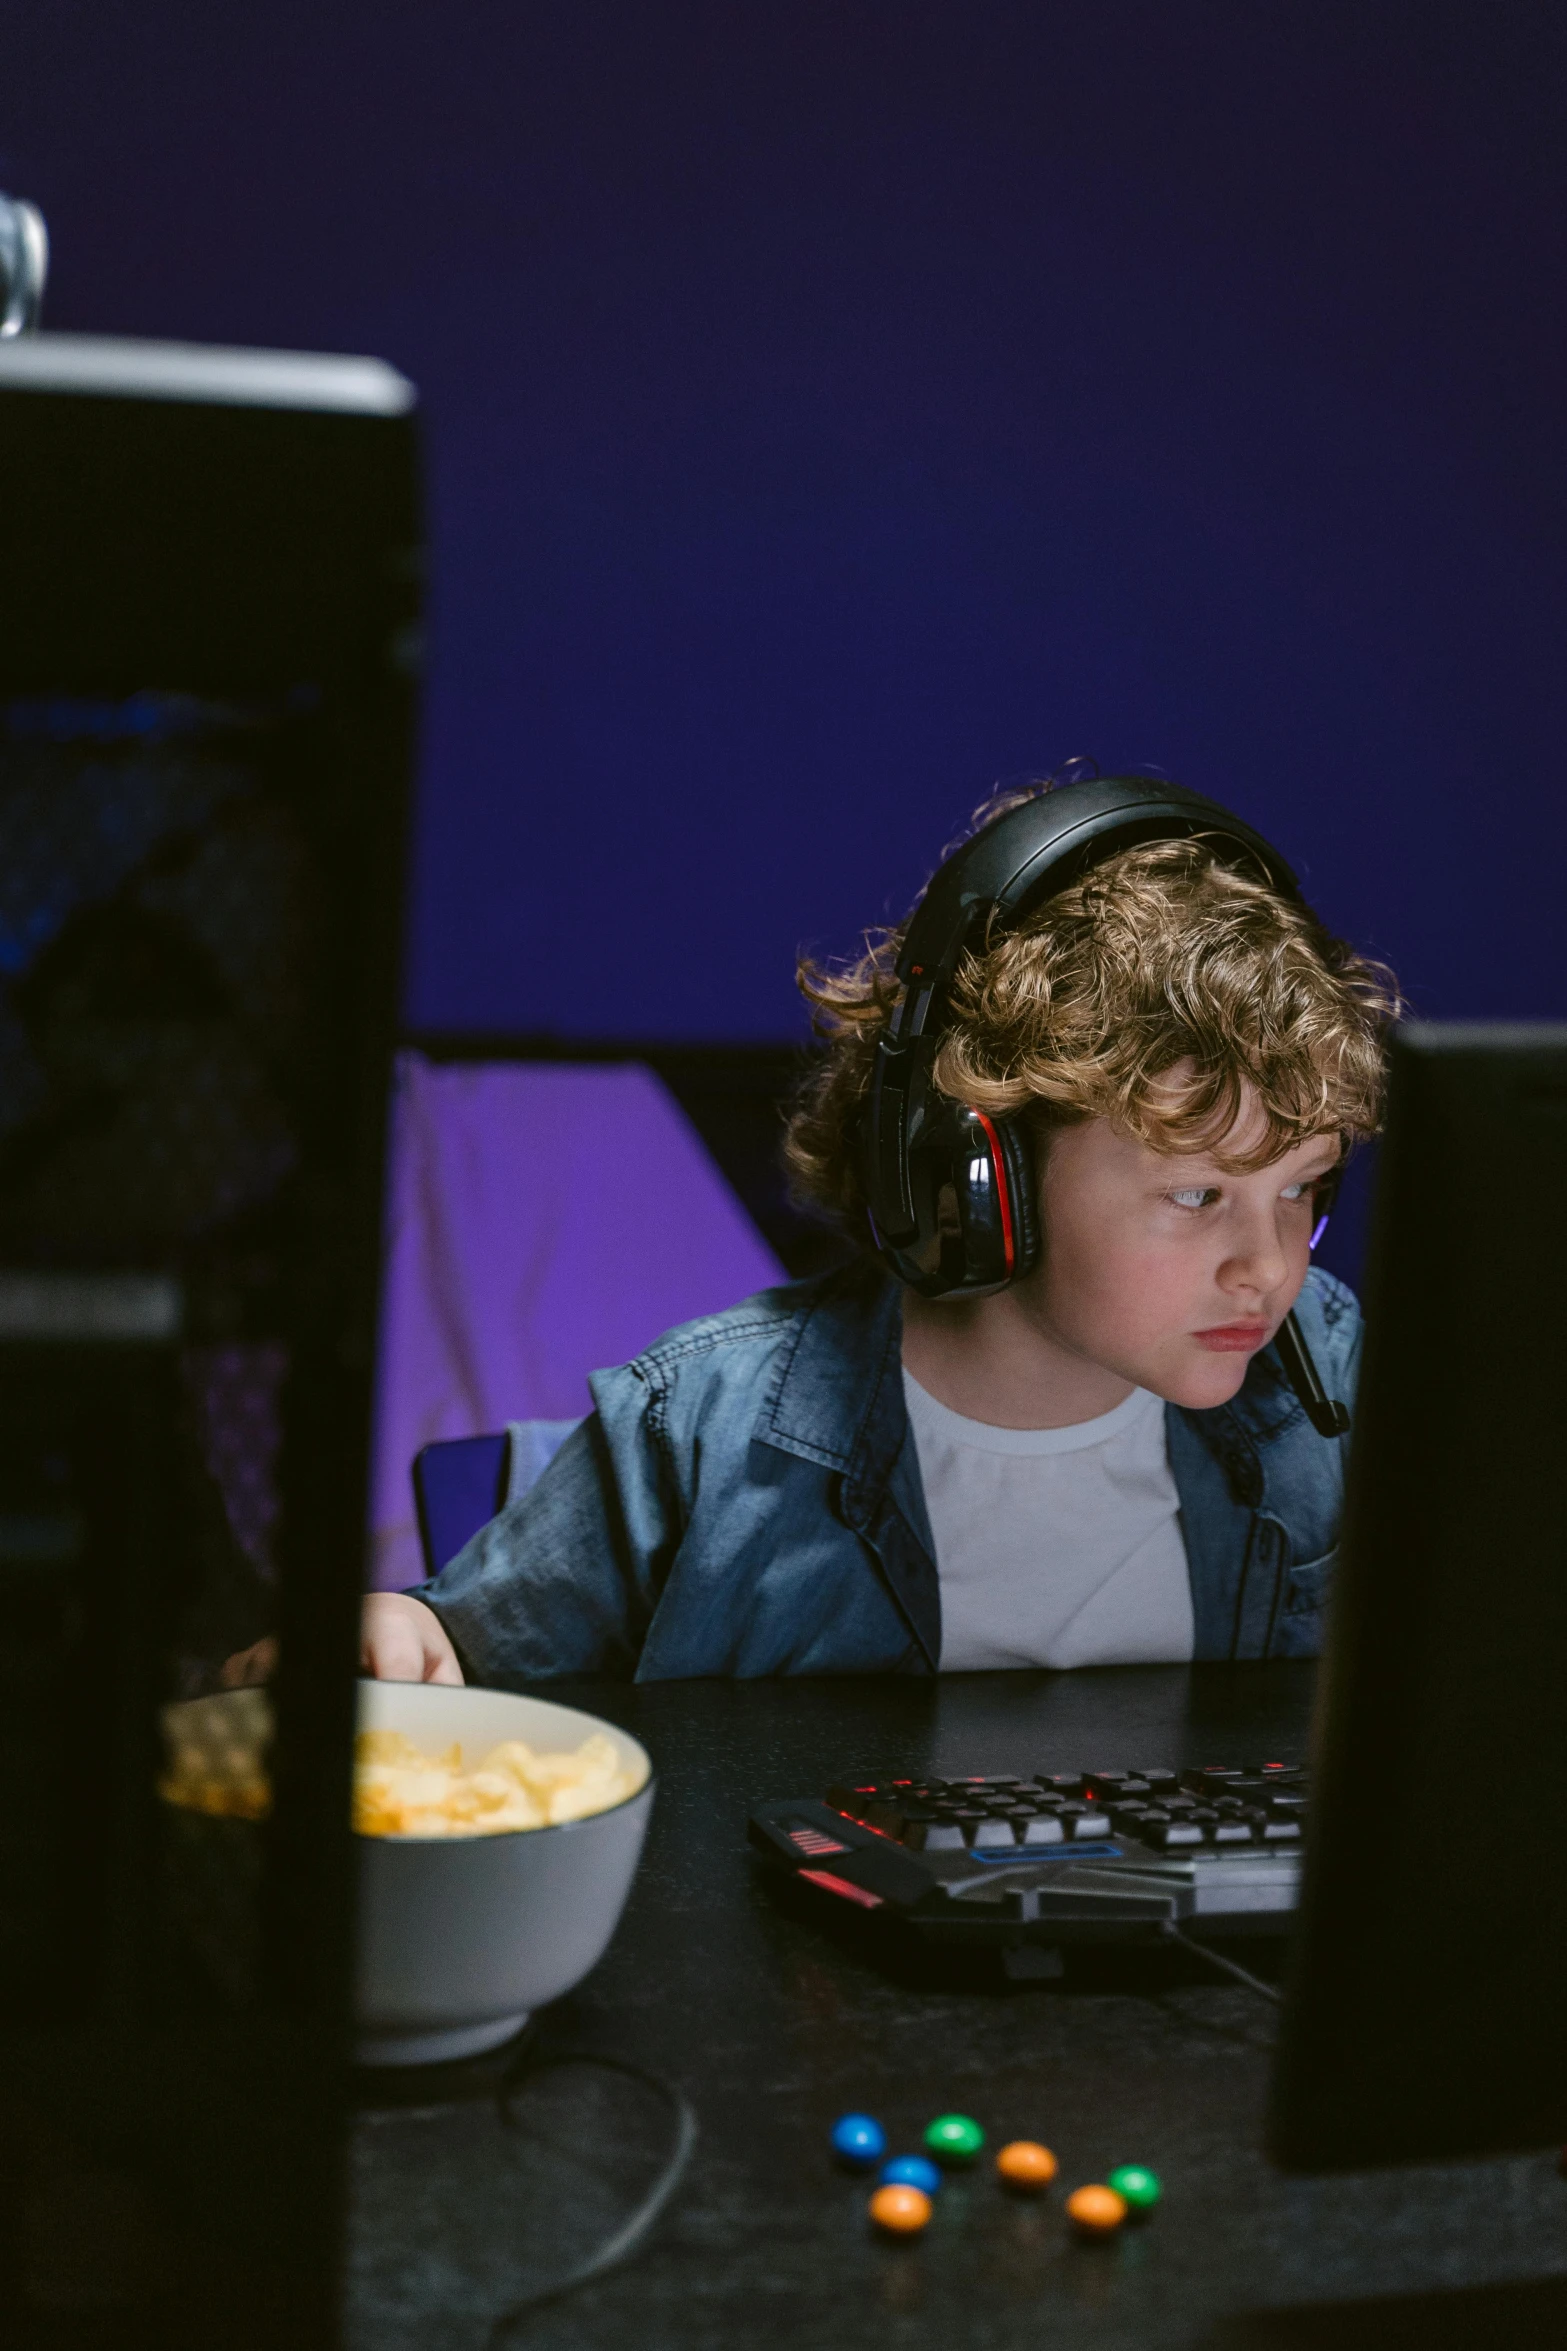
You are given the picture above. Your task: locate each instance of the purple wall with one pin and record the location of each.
(835, 408)
(543, 1221)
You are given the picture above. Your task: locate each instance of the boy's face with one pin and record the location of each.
(1169, 1271)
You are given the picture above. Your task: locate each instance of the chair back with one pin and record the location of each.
(461, 1483)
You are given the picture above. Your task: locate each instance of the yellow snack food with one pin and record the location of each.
(401, 1792)
(215, 1755)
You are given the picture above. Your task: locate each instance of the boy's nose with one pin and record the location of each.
(1256, 1263)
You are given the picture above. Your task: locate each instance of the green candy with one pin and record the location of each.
(1140, 2187)
(957, 2138)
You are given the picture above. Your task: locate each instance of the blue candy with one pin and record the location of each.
(858, 2139)
(912, 2171)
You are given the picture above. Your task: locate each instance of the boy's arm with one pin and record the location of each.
(565, 1580)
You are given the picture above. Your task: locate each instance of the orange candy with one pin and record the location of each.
(1025, 2164)
(903, 2211)
(1096, 2211)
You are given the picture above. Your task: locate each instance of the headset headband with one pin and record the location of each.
(994, 881)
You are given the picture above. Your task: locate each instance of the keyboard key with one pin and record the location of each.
(1046, 1830)
(1232, 1832)
(1169, 1836)
(1090, 1824)
(1281, 1832)
(934, 1836)
(1257, 1787)
(1063, 1783)
(991, 1834)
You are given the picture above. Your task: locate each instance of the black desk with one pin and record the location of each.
(774, 2020)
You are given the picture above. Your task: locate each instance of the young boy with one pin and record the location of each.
(1096, 1461)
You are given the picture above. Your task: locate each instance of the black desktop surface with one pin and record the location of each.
(775, 2015)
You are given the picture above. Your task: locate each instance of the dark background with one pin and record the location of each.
(834, 408)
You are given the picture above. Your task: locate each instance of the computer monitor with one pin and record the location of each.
(208, 654)
(1425, 2016)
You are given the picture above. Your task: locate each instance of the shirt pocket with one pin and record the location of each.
(1302, 1614)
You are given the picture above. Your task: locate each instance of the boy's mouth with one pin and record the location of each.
(1233, 1338)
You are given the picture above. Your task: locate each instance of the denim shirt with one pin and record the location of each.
(746, 1499)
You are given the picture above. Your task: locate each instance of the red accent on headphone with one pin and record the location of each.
(1003, 1195)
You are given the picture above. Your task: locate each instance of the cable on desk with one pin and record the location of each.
(634, 2232)
(1231, 1967)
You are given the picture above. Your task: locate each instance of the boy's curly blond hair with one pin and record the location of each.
(1155, 992)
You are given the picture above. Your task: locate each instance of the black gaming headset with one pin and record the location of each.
(953, 1198)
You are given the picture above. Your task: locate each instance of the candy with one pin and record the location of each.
(954, 2138)
(1025, 2164)
(902, 2211)
(910, 2171)
(1137, 2185)
(1097, 2211)
(858, 2139)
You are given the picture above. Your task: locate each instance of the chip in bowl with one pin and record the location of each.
(400, 1791)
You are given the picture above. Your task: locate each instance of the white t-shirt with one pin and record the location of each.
(1054, 1546)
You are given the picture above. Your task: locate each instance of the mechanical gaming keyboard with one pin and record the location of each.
(1066, 1857)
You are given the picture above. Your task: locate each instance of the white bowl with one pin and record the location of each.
(460, 1938)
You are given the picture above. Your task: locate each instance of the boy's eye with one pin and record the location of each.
(1198, 1196)
(1305, 1189)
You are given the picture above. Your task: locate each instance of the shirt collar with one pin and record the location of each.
(837, 1396)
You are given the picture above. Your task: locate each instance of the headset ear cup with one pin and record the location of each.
(1017, 1152)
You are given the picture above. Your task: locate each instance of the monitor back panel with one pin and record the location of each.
(205, 727)
(1425, 2015)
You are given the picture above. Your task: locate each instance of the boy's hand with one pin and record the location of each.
(400, 1640)
(256, 1664)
